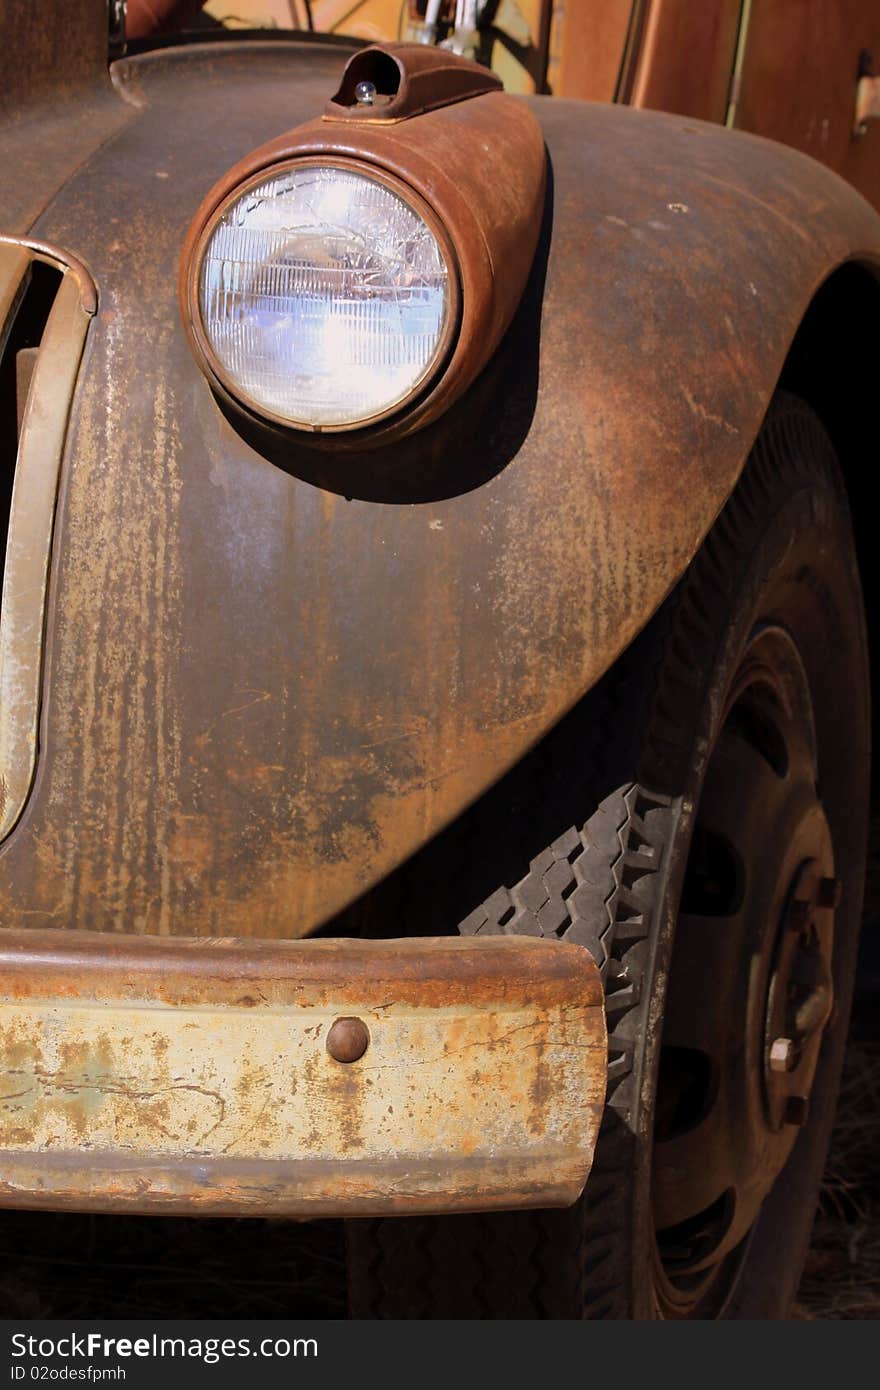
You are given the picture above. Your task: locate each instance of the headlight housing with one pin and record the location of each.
(325, 295)
(346, 282)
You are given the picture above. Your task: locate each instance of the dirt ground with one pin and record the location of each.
(842, 1275)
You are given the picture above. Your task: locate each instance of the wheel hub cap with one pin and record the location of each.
(750, 982)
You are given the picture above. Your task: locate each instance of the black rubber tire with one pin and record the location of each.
(635, 752)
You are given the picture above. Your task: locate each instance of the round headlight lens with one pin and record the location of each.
(324, 297)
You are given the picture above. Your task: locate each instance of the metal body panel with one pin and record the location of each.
(57, 104)
(272, 676)
(201, 1077)
(52, 49)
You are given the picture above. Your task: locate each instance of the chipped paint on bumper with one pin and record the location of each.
(194, 1076)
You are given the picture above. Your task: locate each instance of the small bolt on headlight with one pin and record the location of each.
(326, 296)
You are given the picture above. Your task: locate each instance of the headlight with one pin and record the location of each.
(325, 296)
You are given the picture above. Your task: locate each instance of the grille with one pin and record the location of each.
(46, 303)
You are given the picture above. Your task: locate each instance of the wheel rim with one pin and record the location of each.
(750, 982)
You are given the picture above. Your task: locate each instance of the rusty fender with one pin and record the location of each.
(300, 1078)
(270, 674)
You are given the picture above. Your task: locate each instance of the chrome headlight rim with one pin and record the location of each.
(436, 368)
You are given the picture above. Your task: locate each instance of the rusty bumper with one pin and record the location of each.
(200, 1076)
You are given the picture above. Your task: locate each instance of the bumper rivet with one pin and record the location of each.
(348, 1040)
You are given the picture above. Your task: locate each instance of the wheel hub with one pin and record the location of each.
(750, 983)
(801, 995)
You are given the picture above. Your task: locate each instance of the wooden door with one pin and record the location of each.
(802, 61)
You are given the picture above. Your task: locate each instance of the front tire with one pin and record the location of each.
(717, 778)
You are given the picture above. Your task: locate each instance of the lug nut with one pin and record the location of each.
(781, 1053)
(796, 1108)
(348, 1040)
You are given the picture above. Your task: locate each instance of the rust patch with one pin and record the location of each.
(393, 633)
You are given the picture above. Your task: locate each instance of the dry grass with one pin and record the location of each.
(842, 1275)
